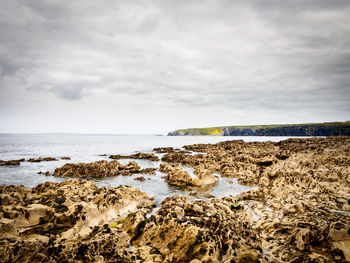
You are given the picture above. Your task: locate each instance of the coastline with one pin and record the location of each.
(306, 129)
(299, 211)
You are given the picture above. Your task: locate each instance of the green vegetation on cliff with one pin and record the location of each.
(309, 129)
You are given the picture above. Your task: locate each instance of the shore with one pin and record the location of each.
(299, 210)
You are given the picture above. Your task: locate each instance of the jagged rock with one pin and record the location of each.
(209, 231)
(68, 221)
(163, 149)
(11, 162)
(42, 159)
(151, 171)
(174, 157)
(97, 169)
(177, 176)
(299, 211)
(135, 223)
(146, 156)
(299, 180)
(204, 177)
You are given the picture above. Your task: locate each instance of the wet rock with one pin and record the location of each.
(163, 149)
(204, 177)
(302, 199)
(42, 159)
(299, 211)
(146, 156)
(174, 157)
(151, 171)
(47, 173)
(11, 162)
(97, 169)
(141, 178)
(176, 175)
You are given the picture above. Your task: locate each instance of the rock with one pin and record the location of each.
(41, 159)
(177, 176)
(135, 223)
(174, 157)
(97, 169)
(11, 162)
(204, 177)
(298, 212)
(56, 222)
(207, 231)
(47, 173)
(151, 171)
(298, 179)
(141, 178)
(146, 156)
(163, 150)
(65, 158)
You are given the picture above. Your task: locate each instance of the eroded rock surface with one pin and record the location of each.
(97, 169)
(300, 211)
(67, 222)
(177, 176)
(303, 199)
(151, 171)
(163, 149)
(145, 156)
(207, 231)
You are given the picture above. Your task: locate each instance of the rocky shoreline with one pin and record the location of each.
(307, 129)
(299, 211)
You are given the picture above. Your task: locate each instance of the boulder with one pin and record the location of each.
(177, 176)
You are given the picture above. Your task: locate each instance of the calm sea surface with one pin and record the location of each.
(88, 148)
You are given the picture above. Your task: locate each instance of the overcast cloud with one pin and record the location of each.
(155, 65)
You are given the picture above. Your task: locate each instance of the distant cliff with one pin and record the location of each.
(310, 129)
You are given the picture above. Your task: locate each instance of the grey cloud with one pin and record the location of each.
(252, 55)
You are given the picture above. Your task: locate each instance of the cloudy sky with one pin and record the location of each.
(156, 65)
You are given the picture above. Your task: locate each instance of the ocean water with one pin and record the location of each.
(89, 148)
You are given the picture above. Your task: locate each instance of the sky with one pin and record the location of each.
(152, 66)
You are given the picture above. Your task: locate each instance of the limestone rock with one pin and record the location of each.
(66, 221)
(177, 176)
(163, 150)
(97, 169)
(146, 156)
(208, 231)
(42, 159)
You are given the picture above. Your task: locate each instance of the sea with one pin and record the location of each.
(83, 148)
